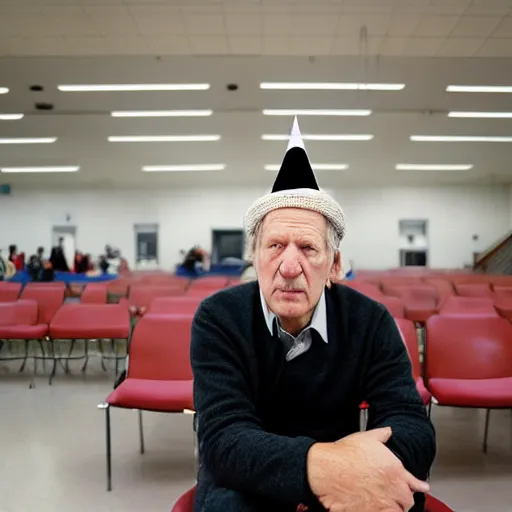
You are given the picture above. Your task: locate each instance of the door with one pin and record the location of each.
(146, 243)
(68, 235)
(227, 245)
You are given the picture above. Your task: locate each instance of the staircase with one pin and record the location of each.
(497, 259)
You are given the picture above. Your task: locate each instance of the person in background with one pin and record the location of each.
(58, 258)
(81, 263)
(3, 267)
(40, 255)
(47, 273)
(34, 268)
(103, 264)
(12, 254)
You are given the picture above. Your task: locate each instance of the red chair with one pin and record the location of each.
(469, 362)
(420, 301)
(468, 306)
(49, 299)
(473, 289)
(159, 376)
(94, 293)
(367, 289)
(211, 283)
(140, 295)
(394, 305)
(186, 503)
(173, 305)
(87, 322)
(408, 331)
(9, 292)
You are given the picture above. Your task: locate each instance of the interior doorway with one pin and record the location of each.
(68, 235)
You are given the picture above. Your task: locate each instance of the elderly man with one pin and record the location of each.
(282, 364)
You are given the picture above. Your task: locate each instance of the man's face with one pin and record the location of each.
(293, 262)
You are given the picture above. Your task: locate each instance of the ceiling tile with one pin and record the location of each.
(366, 9)
(277, 9)
(346, 46)
(205, 25)
(9, 26)
(209, 45)
(311, 46)
(403, 24)
(435, 26)
(496, 48)
(315, 25)
(473, 26)
(85, 45)
(244, 45)
(460, 47)
(448, 6)
(157, 25)
(61, 10)
(243, 24)
(316, 9)
(72, 25)
(422, 46)
(154, 10)
(101, 2)
(126, 45)
(243, 9)
(114, 25)
(170, 45)
(488, 11)
(393, 45)
(36, 46)
(276, 46)
(352, 25)
(202, 9)
(277, 25)
(34, 26)
(504, 29)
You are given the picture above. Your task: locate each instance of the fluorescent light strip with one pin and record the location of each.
(161, 113)
(183, 168)
(433, 167)
(315, 137)
(132, 87)
(480, 88)
(39, 169)
(316, 167)
(459, 138)
(310, 112)
(482, 115)
(337, 86)
(11, 117)
(4, 90)
(28, 140)
(164, 138)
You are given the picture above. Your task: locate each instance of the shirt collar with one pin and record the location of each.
(318, 320)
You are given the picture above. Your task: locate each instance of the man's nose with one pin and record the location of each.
(290, 267)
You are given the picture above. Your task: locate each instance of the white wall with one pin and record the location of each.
(186, 217)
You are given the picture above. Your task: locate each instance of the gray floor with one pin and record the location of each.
(52, 451)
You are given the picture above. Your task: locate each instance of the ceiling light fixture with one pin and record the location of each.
(161, 113)
(459, 138)
(4, 90)
(28, 140)
(39, 169)
(316, 167)
(318, 137)
(312, 112)
(11, 117)
(335, 86)
(132, 87)
(482, 115)
(164, 138)
(480, 88)
(433, 167)
(183, 168)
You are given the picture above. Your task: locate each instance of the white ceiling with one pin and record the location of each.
(446, 28)
(82, 123)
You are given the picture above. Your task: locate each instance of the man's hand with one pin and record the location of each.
(359, 473)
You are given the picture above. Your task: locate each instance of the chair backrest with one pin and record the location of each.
(209, 283)
(408, 331)
(367, 289)
(468, 306)
(21, 312)
(9, 292)
(44, 284)
(394, 305)
(94, 293)
(504, 292)
(459, 347)
(185, 502)
(49, 299)
(174, 305)
(434, 505)
(473, 289)
(160, 348)
(141, 295)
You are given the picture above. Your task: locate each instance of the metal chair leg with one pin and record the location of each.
(430, 409)
(487, 418)
(141, 433)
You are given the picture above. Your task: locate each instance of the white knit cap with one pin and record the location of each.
(296, 187)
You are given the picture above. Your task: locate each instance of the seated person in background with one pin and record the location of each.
(12, 253)
(48, 274)
(103, 264)
(81, 263)
(282, 364)
(58, 258)
(34, 268)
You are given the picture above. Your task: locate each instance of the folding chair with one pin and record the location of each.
(469, 363)
(88, 322)
(94, 293)
(159, 376)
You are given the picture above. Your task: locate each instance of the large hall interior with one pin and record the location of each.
(134, 136)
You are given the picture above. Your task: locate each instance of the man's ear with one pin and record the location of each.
(336, 273)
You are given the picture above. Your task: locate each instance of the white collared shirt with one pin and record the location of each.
(302, 342)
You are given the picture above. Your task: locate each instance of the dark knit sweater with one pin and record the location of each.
(258, 414)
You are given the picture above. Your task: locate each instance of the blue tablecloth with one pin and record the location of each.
(66, 277)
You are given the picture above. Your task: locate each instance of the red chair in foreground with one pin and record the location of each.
(141, 295)
(469, 363)
(410, 338)
(94, 293)
(85, 322)
(468, 306)
(186, 503)
(159, 376)
(9, 292)
(173, 305)
(394, 305)
(49, 299)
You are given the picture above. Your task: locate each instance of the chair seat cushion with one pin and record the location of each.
(23, 332)
(484, 393)
(153, 395)
(425, 394)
